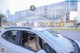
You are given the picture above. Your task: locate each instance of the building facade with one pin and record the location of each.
(59, 13)
(0, 11)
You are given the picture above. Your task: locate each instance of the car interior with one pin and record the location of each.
(24, 39)
(9, 36)
(41, 44)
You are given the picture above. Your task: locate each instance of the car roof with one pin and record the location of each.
(17, 28)
(40, 28)
(30, 28)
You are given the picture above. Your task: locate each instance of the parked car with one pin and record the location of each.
(13, 39)
(78, 24)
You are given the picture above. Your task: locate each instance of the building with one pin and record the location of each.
(78, 17)
(0, 11)
(10, 18)
(59, 13)
(7, 13)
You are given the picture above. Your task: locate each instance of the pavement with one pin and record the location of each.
(73, 34)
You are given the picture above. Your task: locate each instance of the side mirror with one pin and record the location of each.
(41, 51)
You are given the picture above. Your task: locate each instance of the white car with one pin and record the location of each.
(12, 40)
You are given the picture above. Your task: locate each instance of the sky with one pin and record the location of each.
(18, 5)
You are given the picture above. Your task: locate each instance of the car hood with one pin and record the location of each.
(64, 44)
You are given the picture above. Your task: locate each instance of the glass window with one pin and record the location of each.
(10, 36)
(51, 34)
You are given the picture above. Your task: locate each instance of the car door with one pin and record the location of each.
(7, 42)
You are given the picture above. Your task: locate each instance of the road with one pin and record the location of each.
(73, 34)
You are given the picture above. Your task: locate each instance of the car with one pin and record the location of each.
(78, 24)
(13, 39)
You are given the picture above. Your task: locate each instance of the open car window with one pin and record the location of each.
(36, 42)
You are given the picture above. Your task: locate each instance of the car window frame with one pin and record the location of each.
(26, 47)
(16, 41)
(38, 34)
(5, 32)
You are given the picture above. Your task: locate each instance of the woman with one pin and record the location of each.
(32, 42)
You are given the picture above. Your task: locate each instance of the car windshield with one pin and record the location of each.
(51, 33)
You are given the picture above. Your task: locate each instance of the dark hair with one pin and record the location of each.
(32, 38)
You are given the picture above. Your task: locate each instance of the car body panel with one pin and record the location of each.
(61, 45)
(12, 48)
(77, 43)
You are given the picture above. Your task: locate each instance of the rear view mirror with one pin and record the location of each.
(41, 51)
